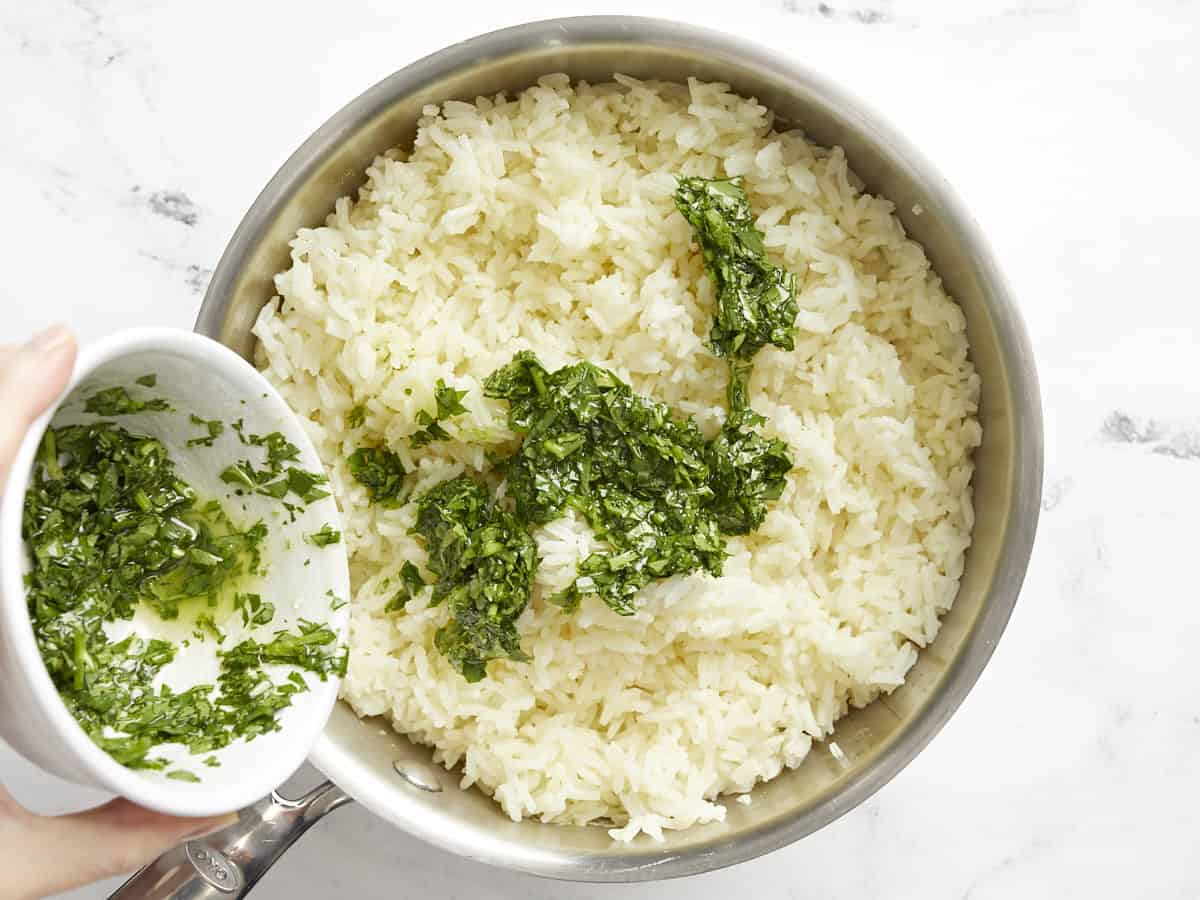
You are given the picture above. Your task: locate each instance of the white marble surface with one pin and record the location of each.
(136, 133)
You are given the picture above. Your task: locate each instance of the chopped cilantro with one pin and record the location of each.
(253, 609)
(274, 479)
(184, 775)
(116, 401)
(756, 301)
(449, 404)
(637, 473)
(649, 483)
(756, 306)
(484, 560)
(356, 417)
(311, 648)
(111, 528)
(206, 625)
(381, 472)
(324, 537)
(746, 469)
(412, 584)
(214, 428)
(148, 380)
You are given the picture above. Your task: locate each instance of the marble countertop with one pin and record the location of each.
(138, 132)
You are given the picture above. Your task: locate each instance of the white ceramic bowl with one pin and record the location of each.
(199, 376)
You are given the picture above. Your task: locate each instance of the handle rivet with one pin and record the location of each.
(213, 867)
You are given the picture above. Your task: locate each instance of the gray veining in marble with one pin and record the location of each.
(174, 205)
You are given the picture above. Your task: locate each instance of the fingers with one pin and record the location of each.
(31, 377)
(61, 852)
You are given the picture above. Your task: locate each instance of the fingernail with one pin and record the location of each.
(213, 827)
(50, 339)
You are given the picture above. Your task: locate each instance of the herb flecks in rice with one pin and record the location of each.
(448, 403)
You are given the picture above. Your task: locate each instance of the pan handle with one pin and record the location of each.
(227, 864)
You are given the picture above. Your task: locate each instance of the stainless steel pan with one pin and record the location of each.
(395, 778)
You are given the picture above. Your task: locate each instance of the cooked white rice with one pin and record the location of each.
(545, 222)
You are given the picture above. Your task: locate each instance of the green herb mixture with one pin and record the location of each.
(484, 559)
(116, 401)
(213, 429)
(411, 584)
(276, 478)
(111, 529)
(756, 301)
(449, 404)
(324, 536)
(659, 493)
(381, 472)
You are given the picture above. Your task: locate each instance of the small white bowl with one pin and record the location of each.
(196, 375)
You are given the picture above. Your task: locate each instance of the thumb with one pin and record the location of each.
(67, 851)
(31, 377)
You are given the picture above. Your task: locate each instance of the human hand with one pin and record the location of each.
(48, 854)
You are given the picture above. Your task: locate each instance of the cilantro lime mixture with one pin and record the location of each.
(112, 529)
(659, 493)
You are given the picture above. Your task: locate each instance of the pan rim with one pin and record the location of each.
(644, 861)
